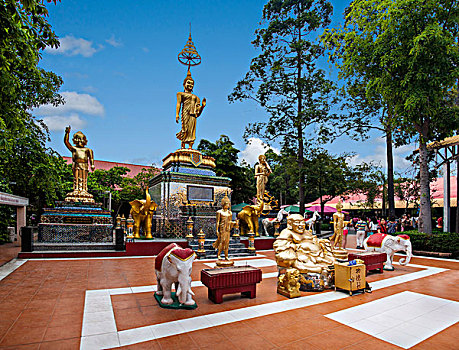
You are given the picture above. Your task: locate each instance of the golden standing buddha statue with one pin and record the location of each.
(191, 107)
(80, 157)
(224, 226)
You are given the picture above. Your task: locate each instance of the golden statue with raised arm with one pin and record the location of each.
(262, 171)
(80, 157)
(191, 107)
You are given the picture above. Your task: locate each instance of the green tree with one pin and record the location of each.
(283, 182)
(226, 161)
(327, 176)
(285, 79)
(24, 33)
(406, 51)
(367, 180)
(27, 166)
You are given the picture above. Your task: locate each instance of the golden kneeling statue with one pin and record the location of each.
(297, 248)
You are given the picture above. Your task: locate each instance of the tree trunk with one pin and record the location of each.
(425, 213)
(300, 129)
(300, 166)
(390, 173)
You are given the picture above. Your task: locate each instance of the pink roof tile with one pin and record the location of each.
(106, 165)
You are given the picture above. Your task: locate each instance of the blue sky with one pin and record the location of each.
(119, 63)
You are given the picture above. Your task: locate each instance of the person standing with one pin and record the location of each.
(361, 227)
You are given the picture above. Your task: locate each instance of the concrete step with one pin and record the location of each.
(73, 246)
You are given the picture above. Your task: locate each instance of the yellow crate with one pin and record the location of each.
(350, 278)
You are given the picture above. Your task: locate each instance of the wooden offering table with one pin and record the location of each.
(350, 278)
(372, 260)
(228, 280)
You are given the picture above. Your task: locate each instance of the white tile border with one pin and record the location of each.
(146, 333)
(10, 267)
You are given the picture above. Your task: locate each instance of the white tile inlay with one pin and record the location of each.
(99, 302)
(404, 319)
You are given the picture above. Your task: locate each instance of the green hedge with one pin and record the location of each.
(437, 242)
(324, 227)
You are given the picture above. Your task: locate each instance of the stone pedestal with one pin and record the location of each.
(187, 187)
(70, 222)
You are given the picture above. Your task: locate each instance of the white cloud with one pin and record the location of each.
(57, 122)
(113, 41)
(71, 46)
(74, 102)
(57, 118)
(253, 149)
(379, 156)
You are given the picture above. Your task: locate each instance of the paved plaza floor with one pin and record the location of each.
(101, 303)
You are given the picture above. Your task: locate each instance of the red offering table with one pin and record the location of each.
(228, 280)
(373, 260)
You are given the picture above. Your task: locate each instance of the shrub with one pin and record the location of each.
(437, 242)
(325, 227)
(5, 221)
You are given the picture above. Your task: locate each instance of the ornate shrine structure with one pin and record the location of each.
(187, 186)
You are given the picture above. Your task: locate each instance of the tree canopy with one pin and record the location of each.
(27, 166)
(285, 79)
(405, 52)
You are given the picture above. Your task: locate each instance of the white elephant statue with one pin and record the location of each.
(173, 265)
(380, 242)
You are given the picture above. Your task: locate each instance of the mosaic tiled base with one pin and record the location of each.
(66, 233)
(177, 228)
(70, 222)
(172, 190)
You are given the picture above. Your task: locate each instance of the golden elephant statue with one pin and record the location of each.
(248, 218)
(142, 212)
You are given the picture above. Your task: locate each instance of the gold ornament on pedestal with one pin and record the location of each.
(80, 157)
(224, 226)
(288, 285)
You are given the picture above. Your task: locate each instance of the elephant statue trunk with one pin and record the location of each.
(147, 202)
(409, 254)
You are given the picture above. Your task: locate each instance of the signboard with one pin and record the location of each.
(200, 193)
(77, 220)
(10, 199)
